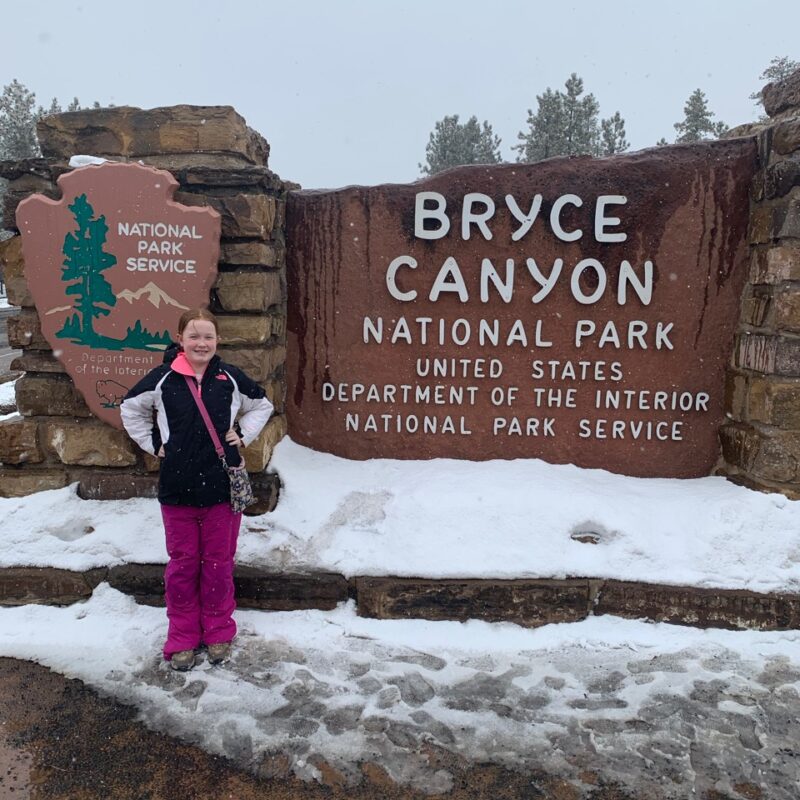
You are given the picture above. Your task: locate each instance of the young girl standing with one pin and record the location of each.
(193, 488)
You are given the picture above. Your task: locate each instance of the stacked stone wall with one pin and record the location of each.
(761, 442)
(219, 162)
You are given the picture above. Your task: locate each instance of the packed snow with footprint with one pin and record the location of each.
(663, 709)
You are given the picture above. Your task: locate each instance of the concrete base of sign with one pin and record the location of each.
(530, 603)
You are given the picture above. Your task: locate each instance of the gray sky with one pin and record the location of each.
(348, 91)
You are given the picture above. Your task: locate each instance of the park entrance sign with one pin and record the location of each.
(111, 266)
(577, 310)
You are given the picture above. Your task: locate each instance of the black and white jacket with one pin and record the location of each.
(191, 471)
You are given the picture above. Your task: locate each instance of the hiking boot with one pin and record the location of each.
(182, 660)
(217, 653)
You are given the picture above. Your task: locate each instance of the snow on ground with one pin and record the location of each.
(451, 518)
(7, 393)
(8, 399)
(663, 710)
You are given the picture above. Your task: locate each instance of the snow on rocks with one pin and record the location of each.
(85, 161)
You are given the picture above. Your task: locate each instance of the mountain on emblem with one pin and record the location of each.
(152, 294)
(111, 267)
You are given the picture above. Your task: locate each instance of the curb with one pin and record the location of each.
(525, 602)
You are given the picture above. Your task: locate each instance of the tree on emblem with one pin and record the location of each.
(84, 263)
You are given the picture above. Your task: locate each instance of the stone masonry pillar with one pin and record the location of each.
(218, 161)
(761, 442)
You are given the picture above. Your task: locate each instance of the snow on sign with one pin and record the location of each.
(576, 310)
(111, 267)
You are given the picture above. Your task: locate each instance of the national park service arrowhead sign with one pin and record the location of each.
(111, 267)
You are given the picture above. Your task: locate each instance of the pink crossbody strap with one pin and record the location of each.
(193, 388)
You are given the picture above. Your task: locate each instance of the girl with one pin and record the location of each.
(193, 487)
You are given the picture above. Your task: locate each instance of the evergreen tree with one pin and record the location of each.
(697, 124)
(779, 68)
(612, 135)
(453, 144)
(17, 123)
(580, 116)
(84, 262)
(54, 108)
(546, 130)
(566, 123)
(18, 116)
(719, 129)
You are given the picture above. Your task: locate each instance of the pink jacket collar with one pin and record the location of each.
(182, 366)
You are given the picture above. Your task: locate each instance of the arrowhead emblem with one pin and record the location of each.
(111, 267)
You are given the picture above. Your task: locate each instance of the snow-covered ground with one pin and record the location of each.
(7, 396)
(665, 710)
(450, 518)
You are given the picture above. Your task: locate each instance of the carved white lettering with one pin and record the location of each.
(601, 221)
(470, 217)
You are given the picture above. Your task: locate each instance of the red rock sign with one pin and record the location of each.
(111, 267)
(575, 310)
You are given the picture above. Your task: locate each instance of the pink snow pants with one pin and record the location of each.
(198, 581)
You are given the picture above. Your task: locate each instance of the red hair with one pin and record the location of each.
(196, 313)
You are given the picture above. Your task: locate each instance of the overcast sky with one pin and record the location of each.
(347, 91)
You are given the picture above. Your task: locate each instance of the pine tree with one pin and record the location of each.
(546, 130)
(719, 129)
(612, 135)
(84, 262)
(454, 144)
(18, 116)
(566, 123)
(54, 108)
(580, 116)
(697, 124)
(17, 123)
(780, 68)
